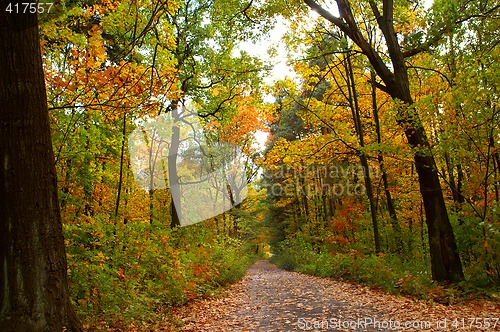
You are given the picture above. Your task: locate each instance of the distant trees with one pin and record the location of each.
(446, 264)
(368, 64)
(111, 64)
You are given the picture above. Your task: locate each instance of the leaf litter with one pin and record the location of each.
(272, 299)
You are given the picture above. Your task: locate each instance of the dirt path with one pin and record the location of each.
(271, 299)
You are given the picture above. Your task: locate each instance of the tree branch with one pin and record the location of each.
(347, 24)
(328, 16)
(436, 37)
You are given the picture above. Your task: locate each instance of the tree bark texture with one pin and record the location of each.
(34, 292)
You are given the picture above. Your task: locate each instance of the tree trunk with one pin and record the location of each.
(445, 261)
(34, 292)
(303, 195)
(356, 117)
(122, 157)
(455, 186)
(173, 177)
(390, 203)
(150, 143)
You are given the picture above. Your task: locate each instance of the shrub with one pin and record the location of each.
(127, 271)
(388, 272)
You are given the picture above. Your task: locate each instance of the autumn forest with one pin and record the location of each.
(152, 151)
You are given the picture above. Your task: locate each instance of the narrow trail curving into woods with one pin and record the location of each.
(271, 299)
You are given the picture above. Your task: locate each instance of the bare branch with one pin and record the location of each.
(328, 16)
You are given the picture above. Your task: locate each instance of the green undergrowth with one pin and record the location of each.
(128, 273)
(388, 272)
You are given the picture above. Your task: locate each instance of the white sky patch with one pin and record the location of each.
(279, 59)
(262, 49)
(261, 137)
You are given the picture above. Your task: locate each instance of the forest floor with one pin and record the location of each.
(271, 299)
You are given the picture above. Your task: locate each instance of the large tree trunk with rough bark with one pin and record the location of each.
(445, 260)
(34, 292)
